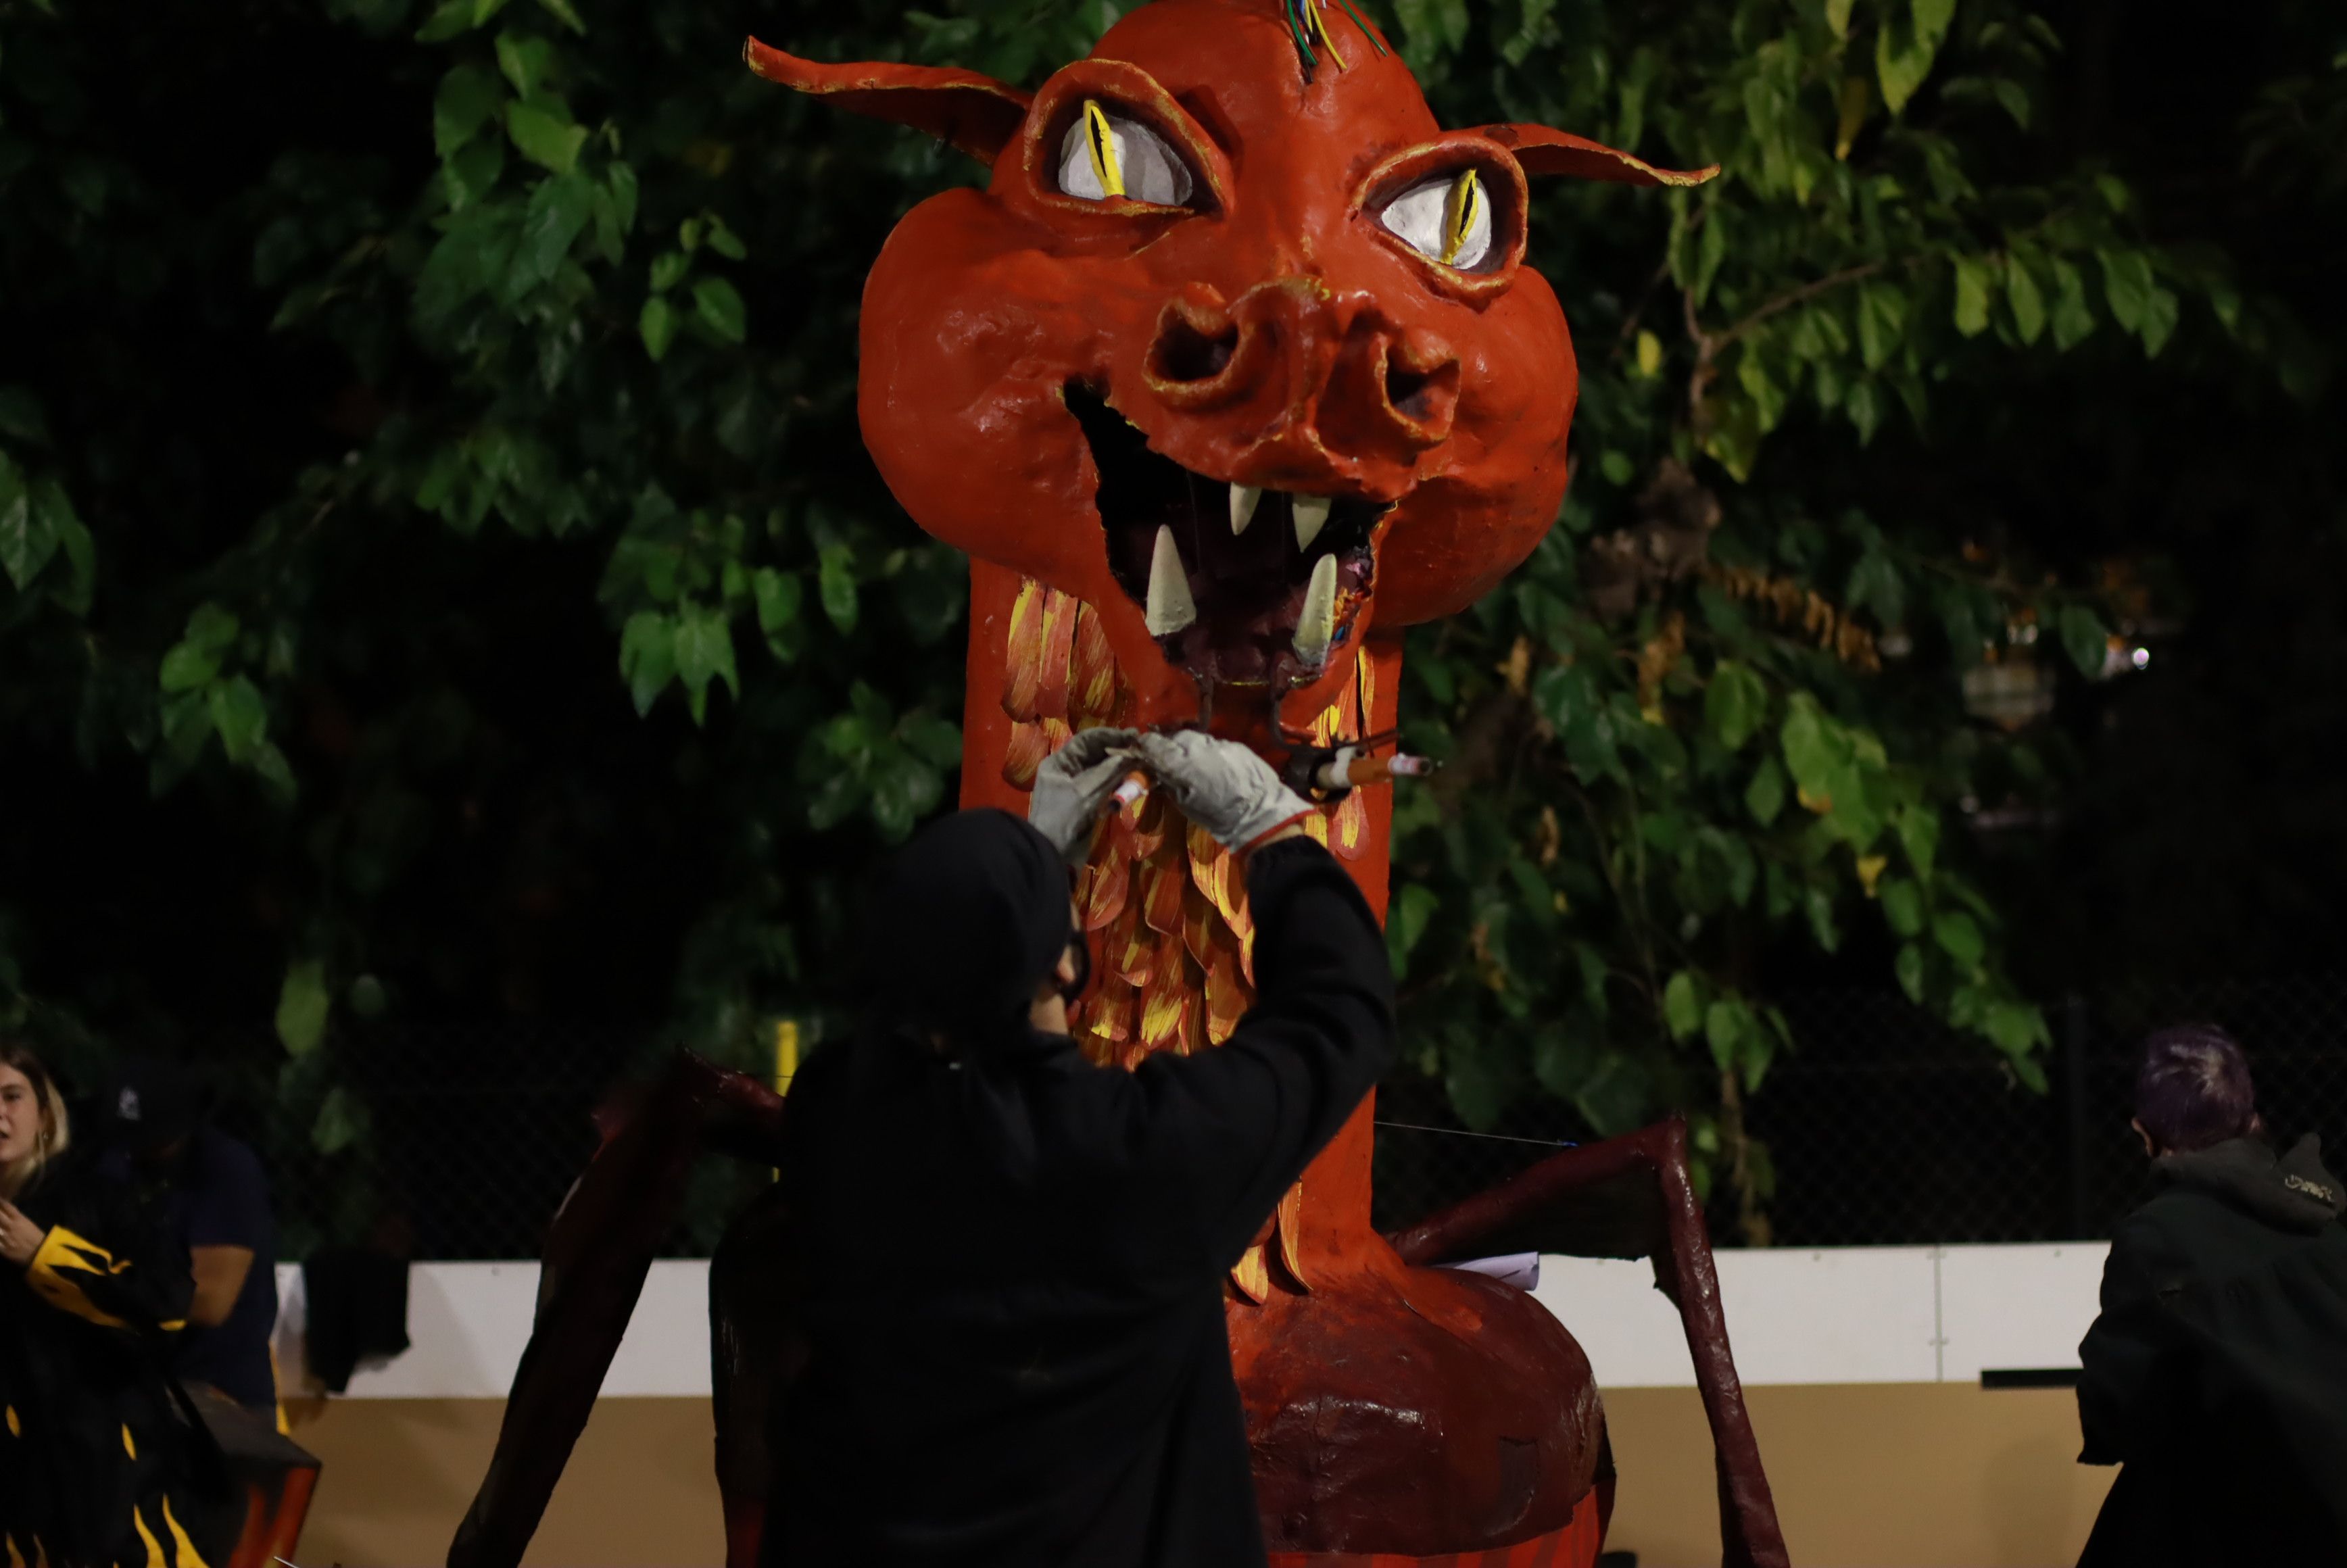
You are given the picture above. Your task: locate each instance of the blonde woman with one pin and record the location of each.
(96, 1464)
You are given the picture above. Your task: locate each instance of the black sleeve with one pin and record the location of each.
(1239, 1123)
(2129, 1376)
(107, 1261)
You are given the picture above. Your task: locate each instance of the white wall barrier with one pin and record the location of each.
(1840, 1315)
(468, 1324)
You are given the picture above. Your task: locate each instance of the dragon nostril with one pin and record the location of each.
(1406, 389)
(1183, 353)
(1422, 384)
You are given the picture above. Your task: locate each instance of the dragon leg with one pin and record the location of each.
(1631, 1197)
(597, 1251)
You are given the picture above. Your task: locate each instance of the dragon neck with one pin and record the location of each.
(1165, 906)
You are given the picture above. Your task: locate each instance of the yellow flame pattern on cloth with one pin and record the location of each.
(61, 1253)
(155, 1558)
(188, 1556)
(183, 1552)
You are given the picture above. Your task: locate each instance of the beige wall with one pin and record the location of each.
(399, 1474)
(1879, 1475)
(1867, 1476)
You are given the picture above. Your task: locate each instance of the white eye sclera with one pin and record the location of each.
(1447, 218)
(1107, 157)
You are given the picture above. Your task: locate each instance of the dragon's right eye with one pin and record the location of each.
(1108, 156)
(1447, 218)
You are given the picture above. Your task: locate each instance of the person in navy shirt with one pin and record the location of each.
(216, 1199)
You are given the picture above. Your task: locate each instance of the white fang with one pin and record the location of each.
(1243, 503)
(1317, 627)
(1169, 607)
(1311, 517)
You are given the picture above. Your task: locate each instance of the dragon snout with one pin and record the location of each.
(1302, 374)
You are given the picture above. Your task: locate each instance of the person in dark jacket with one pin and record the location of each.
(99, 1464)
(1010, 1260)
(2216, 1373)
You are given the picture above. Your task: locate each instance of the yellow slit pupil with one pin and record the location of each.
(1460, 213)
(1103, 142)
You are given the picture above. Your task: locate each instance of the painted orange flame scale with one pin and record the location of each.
(1189, 886)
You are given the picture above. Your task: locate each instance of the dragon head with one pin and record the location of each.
(1237, 345)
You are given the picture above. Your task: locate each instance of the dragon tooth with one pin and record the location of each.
(1243, 503)
(1311, 517)
(1317, 627)
(1169, 607)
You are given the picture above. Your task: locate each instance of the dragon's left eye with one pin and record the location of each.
(1447, 218)
(1106, 156)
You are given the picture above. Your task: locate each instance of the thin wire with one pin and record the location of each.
(1197, 528)
(1495, 1137)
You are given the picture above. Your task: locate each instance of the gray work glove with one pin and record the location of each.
(1072, 786)
(1222, 787)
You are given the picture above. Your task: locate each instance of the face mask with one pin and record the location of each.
(1075, 988)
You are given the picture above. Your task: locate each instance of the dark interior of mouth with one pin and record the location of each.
(1249, 587)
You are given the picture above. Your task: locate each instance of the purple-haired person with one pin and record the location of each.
(2217, 1374)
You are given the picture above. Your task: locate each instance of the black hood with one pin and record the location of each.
(966, 921)
(2293, 1192)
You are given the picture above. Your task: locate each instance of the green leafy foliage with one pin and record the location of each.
(524, 265)
(1751, 745)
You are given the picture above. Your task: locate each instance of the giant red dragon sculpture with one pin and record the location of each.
(1232, 372)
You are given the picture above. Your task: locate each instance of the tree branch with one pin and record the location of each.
(1792, 297)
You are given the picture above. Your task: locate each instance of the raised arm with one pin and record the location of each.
(1253, 1111)
(1240, 1123)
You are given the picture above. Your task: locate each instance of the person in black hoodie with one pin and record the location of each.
(100, 1462)
(2216, 1373)
(1009, 1261)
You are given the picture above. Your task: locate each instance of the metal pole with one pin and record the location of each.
(2074, 1028)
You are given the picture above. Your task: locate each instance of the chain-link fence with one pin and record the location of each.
(1881, 1126)
(436, 1141)
(1884, 1127)
(459, 1142)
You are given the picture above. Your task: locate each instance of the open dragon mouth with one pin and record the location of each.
(1239, 585)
